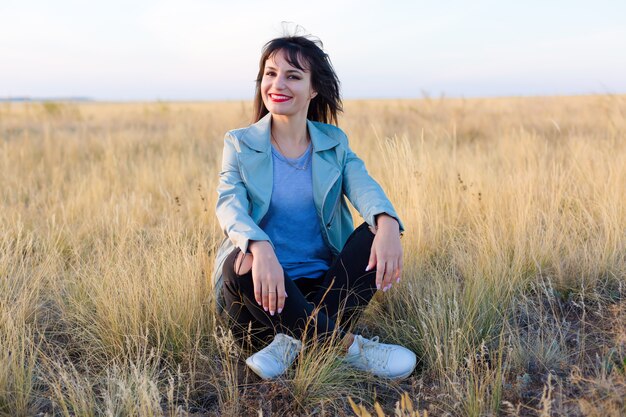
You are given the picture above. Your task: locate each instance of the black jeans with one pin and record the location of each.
(314, 306)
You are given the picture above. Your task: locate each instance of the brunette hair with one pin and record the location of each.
(304, 53)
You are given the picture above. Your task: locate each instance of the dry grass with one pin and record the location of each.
(512, 295)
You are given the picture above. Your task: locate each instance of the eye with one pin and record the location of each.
(295, 77)
(270, 73)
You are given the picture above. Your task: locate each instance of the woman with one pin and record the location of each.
(292, 264)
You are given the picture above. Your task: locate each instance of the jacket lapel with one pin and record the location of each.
(257, 166)
(325, 167)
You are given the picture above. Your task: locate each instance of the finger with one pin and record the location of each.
(257, 289)
(385, 283)
(272, 300)
(371, 263)
(281, 296)
(399, 276)
(390, 269)
(380, 272)
(265, 295)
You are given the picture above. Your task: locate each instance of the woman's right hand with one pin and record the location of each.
(268, 277)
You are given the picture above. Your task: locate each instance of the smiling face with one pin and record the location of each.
(286, 90)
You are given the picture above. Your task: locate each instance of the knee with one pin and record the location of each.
(236, 265)
(243, 263)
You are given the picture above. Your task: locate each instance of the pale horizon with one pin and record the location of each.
(192, 50)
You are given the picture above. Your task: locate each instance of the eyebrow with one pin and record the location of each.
(291, 70)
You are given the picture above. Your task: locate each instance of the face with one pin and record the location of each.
(285, 89)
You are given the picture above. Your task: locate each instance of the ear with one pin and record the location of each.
(313, 94)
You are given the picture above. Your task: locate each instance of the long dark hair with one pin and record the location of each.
(303, 52)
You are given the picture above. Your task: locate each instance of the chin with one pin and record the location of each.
(279, 112)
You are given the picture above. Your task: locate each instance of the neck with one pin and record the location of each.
(289, 130)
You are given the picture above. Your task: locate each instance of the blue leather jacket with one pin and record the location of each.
(245, 188)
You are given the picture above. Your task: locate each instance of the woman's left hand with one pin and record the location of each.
(386, 252)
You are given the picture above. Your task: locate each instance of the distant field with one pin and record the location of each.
(513, 293)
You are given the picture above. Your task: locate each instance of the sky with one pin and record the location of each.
(124, 50)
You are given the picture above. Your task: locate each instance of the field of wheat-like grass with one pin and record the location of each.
(513, 292)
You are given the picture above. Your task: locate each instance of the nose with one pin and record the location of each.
(279, 82)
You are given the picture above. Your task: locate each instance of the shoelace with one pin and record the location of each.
(377, 353)
(285, 350)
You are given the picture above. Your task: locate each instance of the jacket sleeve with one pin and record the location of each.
(232, 202)
(365, 194)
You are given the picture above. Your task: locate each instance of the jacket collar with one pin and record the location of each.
(257, 136)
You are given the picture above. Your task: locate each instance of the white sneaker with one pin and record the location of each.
(274, 359)
(382, 360)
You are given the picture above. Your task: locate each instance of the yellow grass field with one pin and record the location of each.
(513, 293)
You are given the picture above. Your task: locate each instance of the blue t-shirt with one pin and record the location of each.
(291, 221)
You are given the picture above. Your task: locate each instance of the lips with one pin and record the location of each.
(278, 98)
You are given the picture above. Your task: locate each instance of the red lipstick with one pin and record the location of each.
(279, 98)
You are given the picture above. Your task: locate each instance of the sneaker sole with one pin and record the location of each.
(253, 366)
(402, 376)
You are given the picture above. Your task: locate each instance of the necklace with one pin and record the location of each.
(308, 159)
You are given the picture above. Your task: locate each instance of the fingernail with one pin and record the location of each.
(265, 308)
(378, 286)
(386, 288)
(286, 295)
(398, 280)
(367, 268)
(280, 310)
(271, 312)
